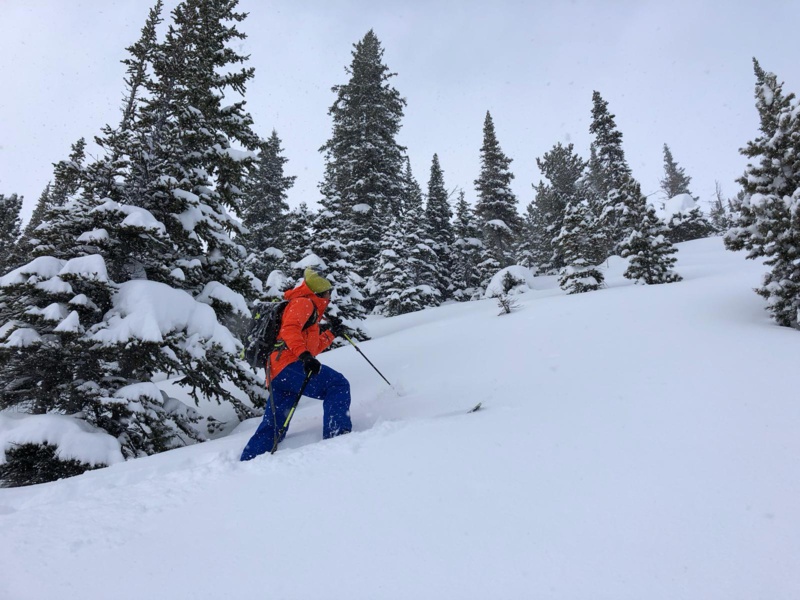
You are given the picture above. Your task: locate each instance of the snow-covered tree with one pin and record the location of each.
(720, 212)
(496, 208)
(675, 180)
(544, 217)
(265, 211)
(467, 249)
(438, 215)
(768, 221)
(685, 219)
(646, 245)
(297, 234)
(10, 207)
(576, 243)
(395, 287)
(363, 165)
(608, 172)
(122, 291)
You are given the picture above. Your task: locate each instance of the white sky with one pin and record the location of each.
(676, 72)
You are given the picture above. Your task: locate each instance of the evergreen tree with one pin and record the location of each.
(467, 248)
(363, 165)
(768, 220)
(646, 246)
(297, 234)
(534, 249)
(675, 180)
(421, 261)
(10, 207)
(609, 171)
(497, 206)
(265, 210)
(439, 230)
(564, 170)
(719, 215)
(173, 162)
(575, 243)
(396, 290)
(688, 225)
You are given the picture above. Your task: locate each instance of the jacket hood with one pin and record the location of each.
(303, 291)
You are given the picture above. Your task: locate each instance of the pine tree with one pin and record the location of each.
(768, 220)
(609, 171)
(534, 249)
(438, 215)
(421, 261)
(363, 164)
(38, 213)
(10, 207)
(173, 163)
(497, 206)
(719, 214)
(646, 246)
(265, 210)
(689, 225)
(675, 180)
(575, 242)
(564, 170)
(297, 234)
(395, 291)
(467, 248)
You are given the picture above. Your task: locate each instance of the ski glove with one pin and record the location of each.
(310, 364)
(336, 325)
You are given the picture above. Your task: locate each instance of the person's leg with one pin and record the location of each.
(284, 389)
(333, 389)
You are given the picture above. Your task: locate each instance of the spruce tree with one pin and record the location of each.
(10, 207)
(38, 213)
(646, 246)
(575, 242)
(675, 180)
(467, 250)
(438, 215)
(297, 235)
(608, 172)
(497, 206)
(688, 225)
(265, 211)
(535, 249)
(768, 220)
(395, 287)
(421, 262)
(564, 171)
(363, 165)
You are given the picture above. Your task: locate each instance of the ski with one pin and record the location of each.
(475, 408)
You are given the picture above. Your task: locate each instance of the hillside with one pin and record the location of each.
(635, 442)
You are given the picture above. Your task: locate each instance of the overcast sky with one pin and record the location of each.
(676, 72)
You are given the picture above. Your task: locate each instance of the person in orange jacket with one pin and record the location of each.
(300, 340)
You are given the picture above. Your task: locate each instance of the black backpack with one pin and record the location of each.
(262, 336)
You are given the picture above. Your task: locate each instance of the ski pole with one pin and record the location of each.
(285, 425)
(347, 337)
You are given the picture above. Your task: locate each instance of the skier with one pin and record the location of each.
(300, 339)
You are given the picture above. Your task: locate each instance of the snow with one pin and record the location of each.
(43, 267)
(310, 260)
(518, 272)
(75, 439)
(136, 216)
(71, 324)
(634, 442)
(92, 266)
(95, 235)
(149, 310)
(682, 203)
(22, 338)
(214, 290)
(362, 208)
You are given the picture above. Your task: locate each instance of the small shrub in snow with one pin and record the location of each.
(29, 464)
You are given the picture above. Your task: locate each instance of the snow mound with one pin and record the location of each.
(75, 439)
(518, 272)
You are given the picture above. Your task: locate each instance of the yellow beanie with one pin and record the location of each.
(316, 282)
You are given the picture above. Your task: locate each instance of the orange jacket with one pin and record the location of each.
(302, 302)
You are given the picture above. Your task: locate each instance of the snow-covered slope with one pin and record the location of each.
(635, 442)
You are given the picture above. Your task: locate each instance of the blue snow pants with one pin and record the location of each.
(328, 385)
